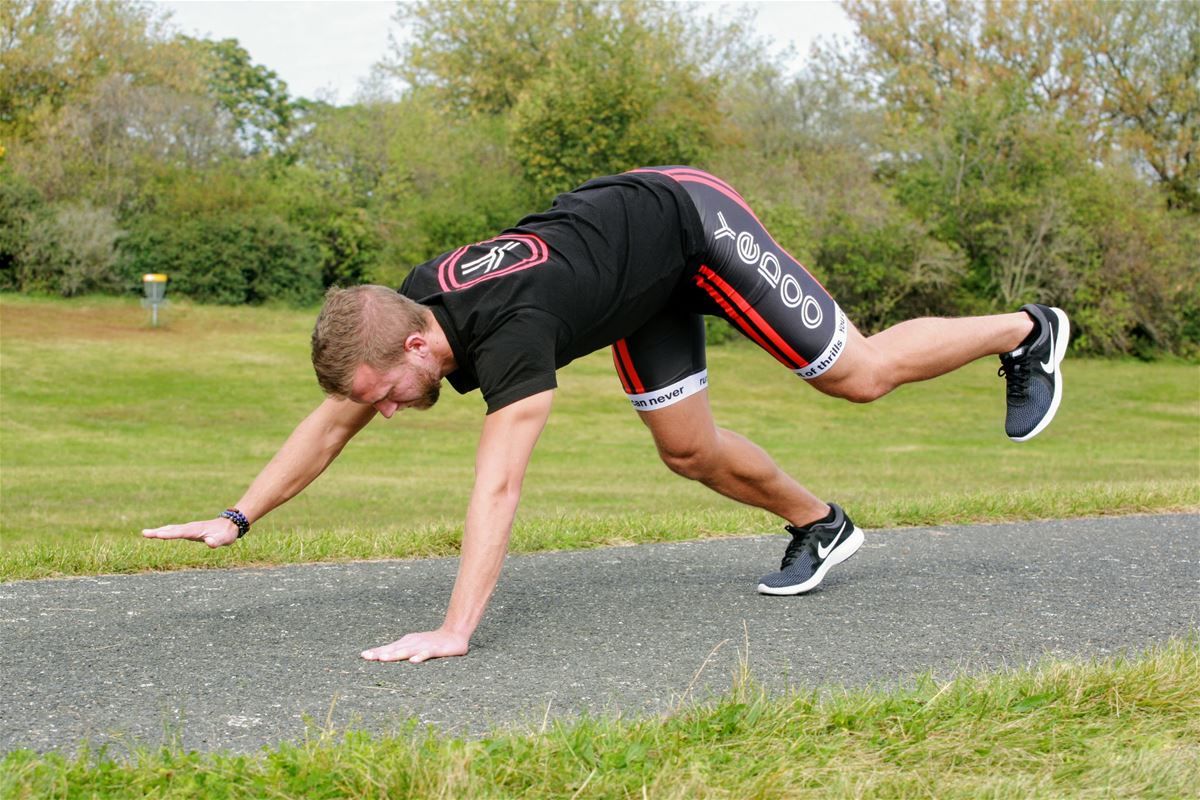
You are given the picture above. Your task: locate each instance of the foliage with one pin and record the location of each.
(20, 205)
(958, 156)
(54, 53)
(71, 250)
(64, 248)
(883, 273)
(94, 97)
(588, 88)
(477, 57)
(227, 258)
(253, 96)
(1128, 71)
(613, 96)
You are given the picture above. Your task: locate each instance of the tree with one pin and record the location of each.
(1147, 58)
(254, 97)
(1126, 71)
(477, 57)
(613, 99)
(53, 53)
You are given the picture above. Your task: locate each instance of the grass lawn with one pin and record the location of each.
(108, 426)
(1116, 728)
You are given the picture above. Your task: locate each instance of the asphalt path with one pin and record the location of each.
(238, 659)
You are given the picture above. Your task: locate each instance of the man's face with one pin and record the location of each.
(410, 385)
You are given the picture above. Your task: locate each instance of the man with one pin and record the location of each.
(631, 261)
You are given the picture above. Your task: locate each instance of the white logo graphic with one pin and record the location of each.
(489, 262)
(771, 270)
(1048, 366)
(824, 551)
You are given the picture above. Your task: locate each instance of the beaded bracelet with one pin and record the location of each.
(239, 519)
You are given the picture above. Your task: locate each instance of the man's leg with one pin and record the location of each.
(918, 350)
(691, 444)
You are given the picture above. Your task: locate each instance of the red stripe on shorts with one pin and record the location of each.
(755, 317)
(621, 350)
(741, 323)
(621, 372)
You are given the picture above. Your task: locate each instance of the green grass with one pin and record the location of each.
(108, 426)
(1123, 727)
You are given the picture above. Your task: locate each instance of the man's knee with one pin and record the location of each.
(860, 376)
(693, 460)
(859, 388)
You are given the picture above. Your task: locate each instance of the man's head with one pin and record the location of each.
(362, 341)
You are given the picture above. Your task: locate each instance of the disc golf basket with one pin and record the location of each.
(154, 287)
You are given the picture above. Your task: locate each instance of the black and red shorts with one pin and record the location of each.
(743, 276)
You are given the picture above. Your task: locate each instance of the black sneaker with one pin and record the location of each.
(1033, 374)
(812, 551)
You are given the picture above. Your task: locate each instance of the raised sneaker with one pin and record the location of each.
(1032, 373)
(813, 550)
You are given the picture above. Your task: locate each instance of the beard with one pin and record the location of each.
(432, 391)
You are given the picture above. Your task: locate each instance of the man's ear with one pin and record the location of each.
(416, 343)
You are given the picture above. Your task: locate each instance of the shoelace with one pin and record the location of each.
(1016, 372)
(797, 545)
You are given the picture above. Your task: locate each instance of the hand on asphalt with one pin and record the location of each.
(418, 647)
(213, 532)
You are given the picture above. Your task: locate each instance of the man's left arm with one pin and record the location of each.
(500, 462)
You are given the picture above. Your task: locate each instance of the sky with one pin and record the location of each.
(324, 49)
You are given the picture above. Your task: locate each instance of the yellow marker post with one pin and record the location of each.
(154, 286)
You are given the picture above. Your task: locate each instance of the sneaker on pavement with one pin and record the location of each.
(813, 550)
(1033, 375)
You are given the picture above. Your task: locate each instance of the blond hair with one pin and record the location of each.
(362, 325)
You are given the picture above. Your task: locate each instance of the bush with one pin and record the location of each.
(20, 205)
(886, 274)
(227, 259)
(66, 249)
(349, 248)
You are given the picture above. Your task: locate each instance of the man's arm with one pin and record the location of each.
(500, 462)
(308, 451)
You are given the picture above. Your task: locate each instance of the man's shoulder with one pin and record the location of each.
(421, 281)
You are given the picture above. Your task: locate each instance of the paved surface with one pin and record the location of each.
(237, 659)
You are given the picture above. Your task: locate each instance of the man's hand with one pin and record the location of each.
(418, 647)
(213, 532)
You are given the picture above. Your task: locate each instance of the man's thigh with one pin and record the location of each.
(663, 362)
(747, 278)
(683, 428)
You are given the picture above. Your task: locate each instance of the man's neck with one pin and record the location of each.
(439, 346)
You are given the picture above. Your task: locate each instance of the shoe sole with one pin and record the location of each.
(1060, 352)
(840, 553)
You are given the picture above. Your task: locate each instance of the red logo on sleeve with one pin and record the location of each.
(494, 258)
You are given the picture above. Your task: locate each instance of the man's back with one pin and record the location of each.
(560, 284)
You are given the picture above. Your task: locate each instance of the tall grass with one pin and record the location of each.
(1122, 727)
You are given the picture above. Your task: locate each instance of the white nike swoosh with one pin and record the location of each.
(1048, 366)
(824, 551)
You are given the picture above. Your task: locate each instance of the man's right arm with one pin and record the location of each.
(308, 451)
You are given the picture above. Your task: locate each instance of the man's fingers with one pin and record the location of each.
(418, 647)
(165, 532)
(384, 654)
(393, 653)
(174, 532)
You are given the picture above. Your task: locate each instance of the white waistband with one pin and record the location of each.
(829, 356)
(669, 395)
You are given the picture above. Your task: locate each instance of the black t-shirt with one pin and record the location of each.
(591, 270)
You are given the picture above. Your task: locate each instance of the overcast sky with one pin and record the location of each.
(325, 49)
